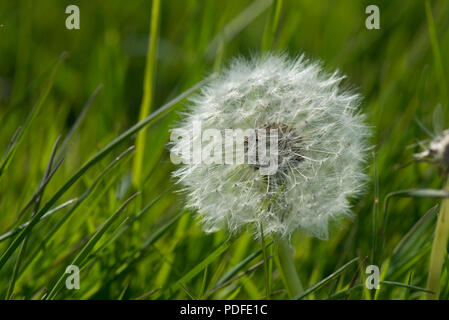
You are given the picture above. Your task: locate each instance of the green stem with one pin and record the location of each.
(271, 26)
(287, 266)
(266, 268)
(439, 249)
(147, 100)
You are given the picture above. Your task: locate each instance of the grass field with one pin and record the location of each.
(122, 221)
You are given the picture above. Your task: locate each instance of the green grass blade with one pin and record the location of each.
(200, 266)
(11, 152)
(402, 243)
(408, 193)
(140, 214)
(13, 232)
(375, 213)
(265, 265)
(147, 100)
(231, 273)
(80, 200)
(140, 254)
(240, 275)
(36, 208)
(271, 26)
(24, 232)
(147, 294)
(79, 120)
(94, 160)
(325, 280)
(436, 53)
(122, 294)
(404, 285)
(242, 20)
(11, 143)
(79, 259)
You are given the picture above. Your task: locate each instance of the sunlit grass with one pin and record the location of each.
(157, 249)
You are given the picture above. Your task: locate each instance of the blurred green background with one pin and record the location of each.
(401, 71)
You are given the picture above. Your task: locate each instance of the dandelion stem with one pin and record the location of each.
(287, 266)
(438, 249)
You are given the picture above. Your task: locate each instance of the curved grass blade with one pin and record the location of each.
(122, 294)
(128, 223)
(236, 25)
(78, 203)
(415, 244)
(231, 273)
(79, 119)
(411, 193)
(11, 142)
(439, 68)
(114, 235)
(42, 186)
(95, 159)
(140, 253)
(345, 293)
(228, 282)
(65, 217)
(325, 280)
(89, 191)
(404, 285)
(11, 233)
(415, 227)
(407, 193)
(80, 258)
(271, 26)
(12, 150)
(200, 266)
(148, 294)
(36, 208)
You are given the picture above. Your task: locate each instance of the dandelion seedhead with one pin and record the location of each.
(437, 151)
(321, 148)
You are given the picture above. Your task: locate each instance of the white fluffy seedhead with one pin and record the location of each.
(437, 151)
(322, 148)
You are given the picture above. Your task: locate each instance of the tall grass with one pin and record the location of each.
(149, 78)
(152, 248)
